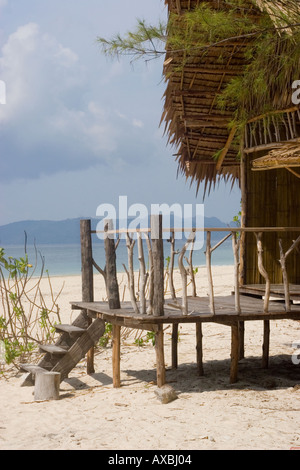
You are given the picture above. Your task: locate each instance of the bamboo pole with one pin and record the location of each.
(235, 249)
(209, 273)
(143, 274)
(262, 271)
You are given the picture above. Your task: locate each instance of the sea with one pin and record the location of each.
(65, 260)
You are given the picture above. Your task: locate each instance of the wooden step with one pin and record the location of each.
(70, 329)
(53, 349)
(32, 368)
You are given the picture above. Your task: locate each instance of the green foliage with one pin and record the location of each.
(144, 41)
(25, 319)
(107, 335)
(151, 337)
(272, 56)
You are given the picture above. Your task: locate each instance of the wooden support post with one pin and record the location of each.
(46, 386)
(234, 353)
(235, 249)
(158, 265)
(160, 359)
(171, 266)
(174, 345)
(116, 352)
(111, 269)
(87, 278)
(266, 344)
(209, 273)
(241, 339)
(199, 349)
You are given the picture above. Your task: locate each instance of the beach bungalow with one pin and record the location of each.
(230, 115)
(230, 78)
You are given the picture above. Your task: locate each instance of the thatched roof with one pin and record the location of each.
(205, 147)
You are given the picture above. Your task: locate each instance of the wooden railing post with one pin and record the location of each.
(111, 268)
(209, 274)
(87, 281)
(86, 261)
(158, 264)
(158, 294)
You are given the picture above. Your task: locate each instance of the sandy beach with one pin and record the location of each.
(260, 411)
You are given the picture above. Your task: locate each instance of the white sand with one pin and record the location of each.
(260, 411)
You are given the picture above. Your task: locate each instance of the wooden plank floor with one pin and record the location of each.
(277, 290)
(198, 307)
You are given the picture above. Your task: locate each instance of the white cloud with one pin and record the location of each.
(137, 123)
(45, 82)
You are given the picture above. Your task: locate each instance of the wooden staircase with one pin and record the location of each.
(75, 341)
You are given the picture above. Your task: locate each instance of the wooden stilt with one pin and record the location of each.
(175, 346)
(266, 344)
(241, 340)
(199, 350)
(160, 360)
(234, 353)
(116, 355)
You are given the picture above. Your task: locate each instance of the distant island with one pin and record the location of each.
(63, 232)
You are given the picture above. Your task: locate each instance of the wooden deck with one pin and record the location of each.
(277, 290)
(198, 313)
(252, 309)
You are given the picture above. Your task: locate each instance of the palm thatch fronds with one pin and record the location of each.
(227, 62)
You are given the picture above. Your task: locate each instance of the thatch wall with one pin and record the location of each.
(272, 200)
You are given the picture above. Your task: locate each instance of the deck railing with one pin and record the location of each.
(151, 285)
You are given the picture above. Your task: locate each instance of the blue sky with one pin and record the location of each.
(79, 129)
